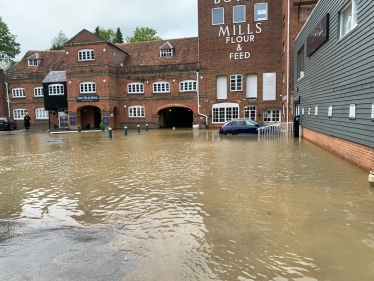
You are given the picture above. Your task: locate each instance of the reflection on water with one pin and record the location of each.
(195, 206)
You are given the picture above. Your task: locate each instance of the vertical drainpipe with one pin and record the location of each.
(288, 58)
(7, 98)
(198, 98)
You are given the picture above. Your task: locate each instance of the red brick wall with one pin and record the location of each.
(3, 102)
(360, 155)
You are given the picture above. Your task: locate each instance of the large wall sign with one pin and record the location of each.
(269, 86)
(318, 36)
(87, 98)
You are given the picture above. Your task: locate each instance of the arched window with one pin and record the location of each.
(226, 111)
(136, 111)
(41, 113)
(135, 88)
(19, 113)
(19, 93)
(86, 54)
(87, 88)
(188, 86)
(56, 89)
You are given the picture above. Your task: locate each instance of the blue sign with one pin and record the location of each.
(106, 120)
(87, 98)
(72, 120)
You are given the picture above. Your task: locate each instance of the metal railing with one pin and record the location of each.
(284, 129)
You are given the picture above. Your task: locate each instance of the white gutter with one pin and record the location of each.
(198, 98)
(288, 58)
(7, 98)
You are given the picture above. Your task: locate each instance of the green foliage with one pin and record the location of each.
(107, 34)
(58, 43)
(96, 32)
(102, 125)
(119, 37)
(9, 48)
(143, 34)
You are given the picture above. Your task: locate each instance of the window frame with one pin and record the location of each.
(18, 93)
(57, 86)
(21, 114)
(236, 84)
(233, 13)
(352, 4)
(188, 86)
(33, 62)
(301, 63)
(166, 53)
(41, 114)
(136, 111)
(250, 111)
(256, 16)
(91, 88)
(223, 16)
(157, 90)
(272, 117)
(86, 55)
(132, 85)
(38, 92)
(223, 112)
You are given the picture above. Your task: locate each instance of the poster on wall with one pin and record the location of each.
(269, 86)
(106, 120)
(72, 120)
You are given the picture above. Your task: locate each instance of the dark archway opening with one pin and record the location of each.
(90, 117)
(176, 117)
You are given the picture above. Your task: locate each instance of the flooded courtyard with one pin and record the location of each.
(182, 204)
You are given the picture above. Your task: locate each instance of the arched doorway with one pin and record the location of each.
(90, 117)
(175, 117)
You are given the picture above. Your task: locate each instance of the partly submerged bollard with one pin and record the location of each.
(138, 128)
(146, 127)
(125, 129)
(110, 132)
(371, 178)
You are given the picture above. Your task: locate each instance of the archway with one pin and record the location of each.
(90, 117)
(175, 117)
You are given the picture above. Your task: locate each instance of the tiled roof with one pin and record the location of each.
(51, 60)
(55, 76)
(148, 53)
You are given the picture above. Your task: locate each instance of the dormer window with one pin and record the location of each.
(33, 62)
(87, 54)
(166, 50)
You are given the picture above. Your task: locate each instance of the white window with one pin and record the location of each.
(251, 86)
(41, 113)
(250, 112)
(56, 89)
(239, 13)
(348, 17)
(272, 115)
(135, 88)
(236, 83)
(87, 88)
(316, 110)
(223, 112)
(261, 11)
(187, 86)
(87, 54)
(300, 63)
(136, 111)
(217, 16)
(166, 53)
(33, 62)
(19, 114)
(221, 87)
(18, 93)
(161, 87)
(38, 92)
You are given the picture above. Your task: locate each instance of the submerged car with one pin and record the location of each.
(7, 123)
(239, 127)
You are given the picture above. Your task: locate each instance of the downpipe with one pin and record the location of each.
(7, 98)
(198, 98)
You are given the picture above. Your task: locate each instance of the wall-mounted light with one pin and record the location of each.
(173, 80)
(104, 80)
(147, 82)
(201, 77)
(124, 106)
(69, 82)
(67, 53)
(104, 50)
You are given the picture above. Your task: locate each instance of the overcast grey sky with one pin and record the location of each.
(37, 22)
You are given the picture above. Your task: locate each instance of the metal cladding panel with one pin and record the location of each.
(338, 74)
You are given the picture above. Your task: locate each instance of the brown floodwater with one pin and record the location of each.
(181, 204)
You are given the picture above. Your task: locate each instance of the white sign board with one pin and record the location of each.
(352, 111)
(372, 111)
(269, 86)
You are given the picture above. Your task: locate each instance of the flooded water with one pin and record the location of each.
(181, 205)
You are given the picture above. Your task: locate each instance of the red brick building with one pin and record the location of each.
(238, 66)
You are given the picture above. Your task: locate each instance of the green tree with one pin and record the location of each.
(107, 34)
(119, 37)
(97, 29)
(9, 48)
(143, 34)
(58, 43)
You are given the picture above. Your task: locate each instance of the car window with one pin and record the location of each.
(250, 123)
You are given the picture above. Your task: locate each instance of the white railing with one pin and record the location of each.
(284, 129)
